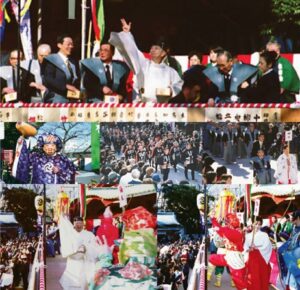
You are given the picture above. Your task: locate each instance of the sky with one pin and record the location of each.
(82, 142)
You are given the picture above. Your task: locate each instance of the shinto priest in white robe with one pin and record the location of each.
(80, 266)
(148, 75)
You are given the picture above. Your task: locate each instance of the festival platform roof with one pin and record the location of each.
(167, 219)
(7, 218)
(277, 190)
(130, 191)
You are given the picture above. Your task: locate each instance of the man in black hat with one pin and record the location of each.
(153, 78)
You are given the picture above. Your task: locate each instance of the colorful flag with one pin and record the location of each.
(3, 15)
(1, 12)
(95, 145)
(98, 22)
(25, 26)
(82, 200)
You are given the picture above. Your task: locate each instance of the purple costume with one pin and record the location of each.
(39, 166)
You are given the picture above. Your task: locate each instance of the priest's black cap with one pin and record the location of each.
(162, 42)
(78, 219)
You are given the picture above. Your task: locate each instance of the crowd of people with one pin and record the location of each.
(250, 252)
(175, 261)
(56, 78)
(150, 153)
(16, 257)
(261, 143)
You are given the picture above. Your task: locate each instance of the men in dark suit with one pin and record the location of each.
(262, 168)
(35, 67)
(229, 78)
(60, 76)
(20, 83)
(104, 76)
(259, 145)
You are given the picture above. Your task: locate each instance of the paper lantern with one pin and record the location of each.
(200, 201)
(39, 204)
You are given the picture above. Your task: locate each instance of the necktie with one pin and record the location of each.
(227, 83)
(70, 70)
(108, 76)
(15, 78)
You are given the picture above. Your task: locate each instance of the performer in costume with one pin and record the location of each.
(150, 75)
(80, 248)
(44, 166)
(288, 77)
(259, 248)
(217, 246)
(60, 73)
(233, 258)
(104, 76)
(287, 170)
(107, 229)
(289, 254)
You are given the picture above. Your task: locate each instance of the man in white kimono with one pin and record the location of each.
(152, 78)
(79, 247)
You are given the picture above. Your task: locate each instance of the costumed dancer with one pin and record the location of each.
(259, 248)
(45, 165)
(107, 229)
(233, 258)
(225, 205)
(80, 248)
(217, 246)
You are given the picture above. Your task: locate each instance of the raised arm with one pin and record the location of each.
(126, 27)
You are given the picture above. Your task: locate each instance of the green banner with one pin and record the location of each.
(95, 145)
